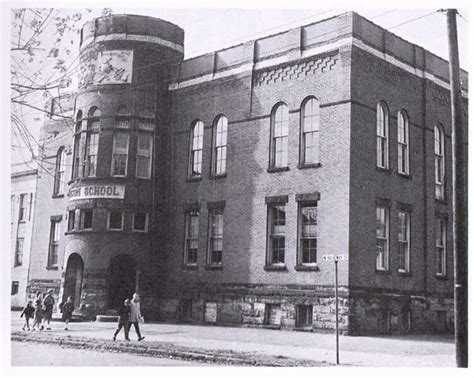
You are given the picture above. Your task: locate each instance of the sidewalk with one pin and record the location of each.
(408, 351)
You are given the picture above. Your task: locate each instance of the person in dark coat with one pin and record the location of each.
(48, 303)
(38, 312)
(29, 312)
(67, 309)
(124, 313)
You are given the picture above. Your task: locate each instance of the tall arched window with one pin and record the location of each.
(197, 136)
(219, 146)
(309, 141)
(92, 143)
(279, 137)
(403, 143)
(439, 162)
(382, 136)
(59, 171)
(76, 159)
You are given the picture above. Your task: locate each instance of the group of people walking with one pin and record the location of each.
(129, 313)
(42, 311)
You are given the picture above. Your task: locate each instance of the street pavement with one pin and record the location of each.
(401, 351)
(30, 354)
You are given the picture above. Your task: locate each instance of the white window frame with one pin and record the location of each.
(196, 149)
(310, 127)
(108, 220)
(71, 215)
(404, 241)
(403, 140)
(76, 158)
(120, 152)
(279, 122)
(93, 132)
(60, 171)
(273, 234)
(301, 237)
(440, 243)
(382, 136)
(19, 251)
(190, 238)
(146, 222)
(23, 207)
(145, 153)
(383, 257)
(82, 218)
(55, 231)
(219, 143)
(440, 162)
(212, 236)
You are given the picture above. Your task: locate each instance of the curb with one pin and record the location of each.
(166, 350)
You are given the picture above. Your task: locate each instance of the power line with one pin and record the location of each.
(413, 20)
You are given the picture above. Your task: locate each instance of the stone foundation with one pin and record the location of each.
(267, 307)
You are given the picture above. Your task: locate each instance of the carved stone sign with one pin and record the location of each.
(96, 191)
(109, 67)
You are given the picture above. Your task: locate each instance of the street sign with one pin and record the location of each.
(332, 257)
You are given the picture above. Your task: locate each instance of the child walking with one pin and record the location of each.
(67, 309)
(124, 313)
(38, 312)
(28, 311)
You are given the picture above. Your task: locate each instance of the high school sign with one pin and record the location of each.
(96, 191)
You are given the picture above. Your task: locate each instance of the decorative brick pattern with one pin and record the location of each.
(296, 71)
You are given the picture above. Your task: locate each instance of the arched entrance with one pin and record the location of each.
(122, 280)
(73, 279)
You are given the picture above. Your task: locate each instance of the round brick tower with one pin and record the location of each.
(113, 234)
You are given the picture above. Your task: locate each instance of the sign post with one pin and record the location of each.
(336, 259)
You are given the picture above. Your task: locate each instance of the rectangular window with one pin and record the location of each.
(140, 222)
(439, 163)
(144, 155)
(308, 236)
(15, 287)
(279, 147)
(30, 206)
(22, 208)
(54, 243)
(441, 247)
(192, 237)
(120, 154)
(382, 238)
(115, 220)
(86, 219)
(216, 231)
(76, 159)
(19, 251)
(272, 315)
(276, 234)
(304, 316)
(197, 139)
(92, 148)
(310, 132)
(220, 147)
(71, 220)
(403, 241)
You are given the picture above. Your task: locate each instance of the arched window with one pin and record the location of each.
(122, 117)
(279, 136)
(197, 136)
(309, 142)
(59, 171)
(439, 162)
(403, 143)
(92, 142)
(382, 136)
(76, 159)
(219, 146)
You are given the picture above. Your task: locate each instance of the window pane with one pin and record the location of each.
(139, 221)
(115, 220)
(86, 218)
(71, 220)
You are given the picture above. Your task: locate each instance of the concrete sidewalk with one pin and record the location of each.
(409, 351)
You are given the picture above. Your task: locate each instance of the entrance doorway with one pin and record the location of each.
(73, 279)
(122, 280)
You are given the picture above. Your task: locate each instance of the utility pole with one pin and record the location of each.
(459, 153)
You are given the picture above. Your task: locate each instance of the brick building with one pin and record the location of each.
(214, 185)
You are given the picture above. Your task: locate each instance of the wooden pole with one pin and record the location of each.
(459, 155)
(337, 313)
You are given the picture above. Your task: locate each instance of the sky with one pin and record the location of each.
(208, 28)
